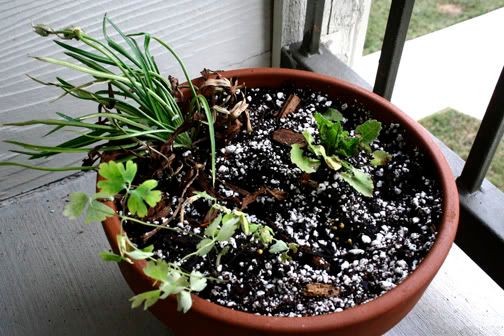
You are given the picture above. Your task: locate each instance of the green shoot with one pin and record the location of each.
(337, 144)
(169, 276)
(139, 108)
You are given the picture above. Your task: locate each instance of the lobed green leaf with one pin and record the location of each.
(141, 195)
(147, 298)
(368, 131)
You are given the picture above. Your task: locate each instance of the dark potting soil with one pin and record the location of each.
(361, 247)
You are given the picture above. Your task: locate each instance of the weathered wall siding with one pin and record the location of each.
(294, 12)
(218, 34)
(343, 27)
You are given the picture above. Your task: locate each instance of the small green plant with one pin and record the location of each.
(117, 183)
(337, 144)
(138, 106)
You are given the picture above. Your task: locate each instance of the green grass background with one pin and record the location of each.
(458, 131)
(428, 16)
(454, 128)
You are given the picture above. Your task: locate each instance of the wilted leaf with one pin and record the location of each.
(359, 180)
(184, 301)
(229, 226)
(197, 281)
(98, 212)
(380, 158)
(304, 163)
(213, 228)
(157, 270)
(141, 254)
(278, 194)
(278, 247)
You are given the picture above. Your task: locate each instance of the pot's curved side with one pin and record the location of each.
(372, 318)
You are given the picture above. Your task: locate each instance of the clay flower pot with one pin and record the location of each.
(372, 318)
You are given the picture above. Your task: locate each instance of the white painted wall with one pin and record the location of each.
(217, 34)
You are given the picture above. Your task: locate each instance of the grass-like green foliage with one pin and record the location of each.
(139, 108)
(336, 145)
(117, 183)
(458, 130)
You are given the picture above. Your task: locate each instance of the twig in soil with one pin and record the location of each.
(195, 169)
(290, 106)
(237, 189)
(276, 193)
(166, 147)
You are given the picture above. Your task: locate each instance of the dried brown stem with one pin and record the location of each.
(193, 175)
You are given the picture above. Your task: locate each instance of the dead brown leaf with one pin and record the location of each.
(238, 109)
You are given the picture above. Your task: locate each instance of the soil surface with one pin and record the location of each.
(352, 248)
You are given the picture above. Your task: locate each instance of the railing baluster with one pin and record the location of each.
(393, 43)
(485, 144)
(313, 26)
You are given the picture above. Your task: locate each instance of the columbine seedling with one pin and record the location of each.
(337, 144)
(117, 183)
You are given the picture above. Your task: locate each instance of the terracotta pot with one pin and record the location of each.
(372, 318)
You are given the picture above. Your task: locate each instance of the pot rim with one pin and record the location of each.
(414, 282)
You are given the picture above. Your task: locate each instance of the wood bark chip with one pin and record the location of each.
(288, 137)
(290, 106)
(252, 197)
(321, 290)
(320, 262)
(306, 181)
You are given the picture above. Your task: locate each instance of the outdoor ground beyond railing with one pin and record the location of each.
(481, 228)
